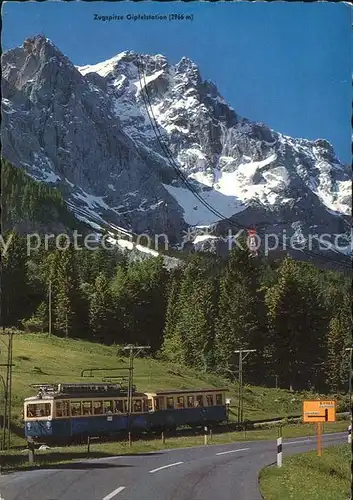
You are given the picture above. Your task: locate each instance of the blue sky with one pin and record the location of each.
(288, 65)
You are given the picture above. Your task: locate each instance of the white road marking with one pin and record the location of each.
(301, 441)
(113, 493)
(164, 467)
(232, 451)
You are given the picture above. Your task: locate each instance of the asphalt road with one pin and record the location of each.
(213, 472)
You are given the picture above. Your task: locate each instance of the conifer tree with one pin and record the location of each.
(197, 307)
(172, 344)
(68, 305)
(14, 282)
(334, 353)
(339, 338)
(42, 316)
(297, 328)
(145, 299)
(101, 311)
(240, 322)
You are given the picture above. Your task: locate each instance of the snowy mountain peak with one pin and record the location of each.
(103, 68)
(126, 62)
(116, 132)
(188, 68)
(41, 48)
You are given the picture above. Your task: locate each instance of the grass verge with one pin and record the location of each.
(309, 477)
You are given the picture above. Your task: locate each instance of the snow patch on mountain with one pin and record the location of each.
(90, 200)
(145, 81)
(241, 184)
(42, 169)
(89, 222)
(203, 237)
(195, 213)
(104, 68)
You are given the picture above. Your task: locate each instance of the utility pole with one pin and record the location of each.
(9, 389)
(6, 431)
(350, 373)
(66, 326)
(134, 350)
(49, 306)
(350, 376)
(243, 354)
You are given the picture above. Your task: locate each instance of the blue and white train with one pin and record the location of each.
(70, 412)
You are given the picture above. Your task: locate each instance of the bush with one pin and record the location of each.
(32, 325)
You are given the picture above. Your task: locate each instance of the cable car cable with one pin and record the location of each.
(165, 149)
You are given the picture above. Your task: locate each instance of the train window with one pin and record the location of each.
(160, 404)
(180, 402)
(150, 404)
(156, 403)
(75, 408)
(126, 406)
(219, 399)
(209, 399)
(108, 406)
(97, 407)
(59, 409)
(137, 406)
(199, 400)
(39, 410)
(170, 403)
(87, 408)
(119, 406)
(62, 408)
(191, 401)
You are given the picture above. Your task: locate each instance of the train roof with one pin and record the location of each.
(105, 395)
(82, 389)
(102, 391)
(165, 392)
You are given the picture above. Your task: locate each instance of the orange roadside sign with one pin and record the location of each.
(319, 411)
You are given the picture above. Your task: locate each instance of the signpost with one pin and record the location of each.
(318, 411)
(228, 401)
(279, 447)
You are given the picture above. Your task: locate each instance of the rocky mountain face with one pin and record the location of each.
(150, 147)
(60, 128)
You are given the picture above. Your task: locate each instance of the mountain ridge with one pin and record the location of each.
(134, 124)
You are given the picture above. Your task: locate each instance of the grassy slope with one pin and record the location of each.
(309, 477)
(39, 359)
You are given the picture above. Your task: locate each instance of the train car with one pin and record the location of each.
(172, 409)
(70, 412)
(64, 413)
